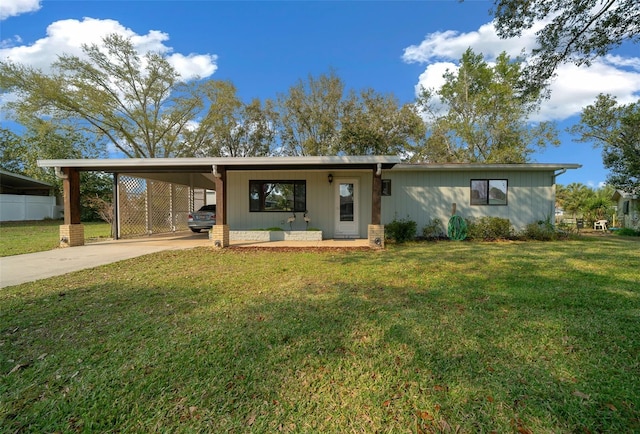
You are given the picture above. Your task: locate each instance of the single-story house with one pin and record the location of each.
(23, 198)
(628, 209)
(342, 196)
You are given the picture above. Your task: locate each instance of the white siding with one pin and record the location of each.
(426, 195)
(418, 195)
(320, 200)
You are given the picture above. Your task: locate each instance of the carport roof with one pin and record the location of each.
(204, 165)
(13, 183)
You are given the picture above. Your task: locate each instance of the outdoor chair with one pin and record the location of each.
(600, 225)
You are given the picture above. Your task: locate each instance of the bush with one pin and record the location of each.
(433, 230)
(401, 230)
(627, 232)
(489, 229)
(540, 231)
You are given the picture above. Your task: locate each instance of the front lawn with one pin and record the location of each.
(37, 236)
(429, 337)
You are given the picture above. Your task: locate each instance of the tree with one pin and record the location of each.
(616, 128)
(576, 31)
(46, 140)
(573, 198)
(309, 116)
(485, 115)
(230, 127)
(581, 200)
(375, 124)
(138, 104)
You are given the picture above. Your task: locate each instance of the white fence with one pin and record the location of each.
(15, 207)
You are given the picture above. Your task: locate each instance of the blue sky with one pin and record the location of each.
(266, 47)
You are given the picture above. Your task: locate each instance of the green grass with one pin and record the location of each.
(424, 337)
(37, 236)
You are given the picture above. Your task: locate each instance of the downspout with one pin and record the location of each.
(555, 175)
(215, 171)
(60, 174)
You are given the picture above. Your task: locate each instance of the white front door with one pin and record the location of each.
(347, 208)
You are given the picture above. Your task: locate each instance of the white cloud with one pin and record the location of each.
(67, 37)
(12, 8)
(574, 87)
(577, 87)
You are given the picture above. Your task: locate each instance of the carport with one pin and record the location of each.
(212, 173)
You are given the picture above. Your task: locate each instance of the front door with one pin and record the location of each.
(347, 208)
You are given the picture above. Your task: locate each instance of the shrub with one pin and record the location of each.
(489, 228)
(540, 231)
(433, 230)
(627, 232)
(401, 230)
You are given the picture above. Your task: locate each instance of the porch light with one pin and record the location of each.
(330, 178)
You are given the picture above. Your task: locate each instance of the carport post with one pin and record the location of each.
(375, 231)
(220, 231)
(72, 232)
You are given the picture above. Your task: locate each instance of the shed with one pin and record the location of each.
(23, 198)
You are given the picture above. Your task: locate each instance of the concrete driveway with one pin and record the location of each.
(30, 267)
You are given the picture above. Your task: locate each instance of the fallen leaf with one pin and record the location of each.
(444, 426)
(439, 388)
(18, 367)
(251, 419)
(611, 407)
(424, 415)
(387, 403)
(580, 394)
(490, 398)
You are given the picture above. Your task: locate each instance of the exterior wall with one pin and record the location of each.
(26, 207)
(632, 218)
(320, 200)
(426, 195)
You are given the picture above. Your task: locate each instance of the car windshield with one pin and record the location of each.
(211, 208)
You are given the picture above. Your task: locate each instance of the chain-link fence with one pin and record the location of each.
(151, 207)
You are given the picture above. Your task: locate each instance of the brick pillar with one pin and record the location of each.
(376, 236)
(71, 235)
(219, 236)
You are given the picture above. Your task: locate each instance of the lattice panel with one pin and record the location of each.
(132, 206)
(148, 207)
(159, 201)
(180, 204)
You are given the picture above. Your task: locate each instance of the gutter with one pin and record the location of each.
(556, 174)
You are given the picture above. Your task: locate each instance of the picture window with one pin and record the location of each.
(488, 192)
(277, 196)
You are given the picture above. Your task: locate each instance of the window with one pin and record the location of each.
(488, 192)
(277, 196)
(386, 187)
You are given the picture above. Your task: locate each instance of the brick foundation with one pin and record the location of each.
(376, 236)
(71, 235)
(219, 236)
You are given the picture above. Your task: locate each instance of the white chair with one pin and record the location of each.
(600, 225)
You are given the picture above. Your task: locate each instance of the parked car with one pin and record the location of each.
(204, 218)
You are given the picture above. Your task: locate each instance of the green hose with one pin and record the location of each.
(457, 229)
